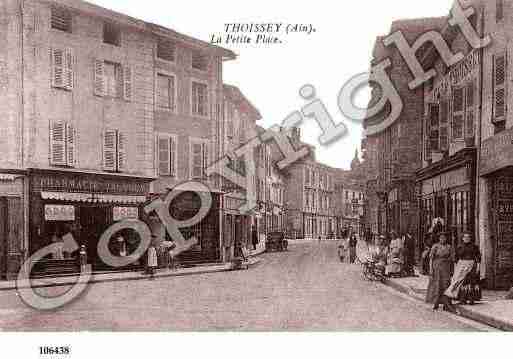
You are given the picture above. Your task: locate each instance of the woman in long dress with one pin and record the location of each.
(466, 275)
(440, 269)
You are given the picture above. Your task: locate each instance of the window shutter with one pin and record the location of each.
(172, 157)
(109, 150)
(58, 144)
(127, 83)
(71, 145)
(500, 71)
(58, 79)
(69, 78)
(99, 78)
(197, 157)
(163, 155)
(121, 153)
(205, 162)
(458, 116)
(434, 127)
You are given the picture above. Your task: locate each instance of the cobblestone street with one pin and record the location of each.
(304, 289)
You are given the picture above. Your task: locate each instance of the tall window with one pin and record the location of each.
(198, 159)
(61, 19)
(166, 92)
(63, 63)
(458, 103)
(199, 99)
(499, 90)
(166, 155)
(114, 151)
(113, 80)
(62, 144)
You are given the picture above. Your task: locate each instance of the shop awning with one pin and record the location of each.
(92, 198)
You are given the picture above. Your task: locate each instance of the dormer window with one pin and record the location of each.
(61, 19)
(111, 34)
(199, 61)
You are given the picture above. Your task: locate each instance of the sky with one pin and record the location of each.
(271, 75)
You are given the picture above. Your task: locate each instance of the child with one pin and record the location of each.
(152, 261)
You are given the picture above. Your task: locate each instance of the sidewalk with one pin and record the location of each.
(494, 310)
(128, 276)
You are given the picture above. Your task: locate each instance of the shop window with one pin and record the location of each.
(166, 50)
(499, 91)
(458, 101)
(434, 124)
(166, 92)
(111, 34)
(199, 159)
(62, 144)
(114, 151)
(199, 61)
(113, 80)
(199, 99)
(63, 63)
(166, 155)
(61, 19)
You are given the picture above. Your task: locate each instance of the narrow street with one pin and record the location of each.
(304, 289)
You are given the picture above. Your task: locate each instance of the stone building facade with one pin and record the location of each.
(93, 97)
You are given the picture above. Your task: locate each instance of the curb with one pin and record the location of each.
(463, 312)
(133, 276)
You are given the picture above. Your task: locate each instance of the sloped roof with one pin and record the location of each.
(235, 96)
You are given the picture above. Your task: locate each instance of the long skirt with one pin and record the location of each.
(439, 281)
(463, 268)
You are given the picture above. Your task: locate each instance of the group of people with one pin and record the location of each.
(394, 252)
(347, 249)
(454, 272)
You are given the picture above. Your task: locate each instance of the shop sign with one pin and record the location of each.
(64, 213)
(121, 213)
(88, 184)
(459, 73)
(446, 181)
(497, 152)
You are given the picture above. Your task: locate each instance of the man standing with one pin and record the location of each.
(254, 237)
(352, 248)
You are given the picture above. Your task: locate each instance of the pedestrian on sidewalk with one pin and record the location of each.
(254, 237)
(152, 261)
(352, 248)
(465, 281)
(409, 255)
(440, 274)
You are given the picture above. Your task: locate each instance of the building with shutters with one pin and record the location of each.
(98, 105)
(392, 157)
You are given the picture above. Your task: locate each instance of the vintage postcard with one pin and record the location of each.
(229, 167)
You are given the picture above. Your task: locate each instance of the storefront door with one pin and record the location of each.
(93, 222)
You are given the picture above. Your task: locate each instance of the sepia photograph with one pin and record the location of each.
(259, 167)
